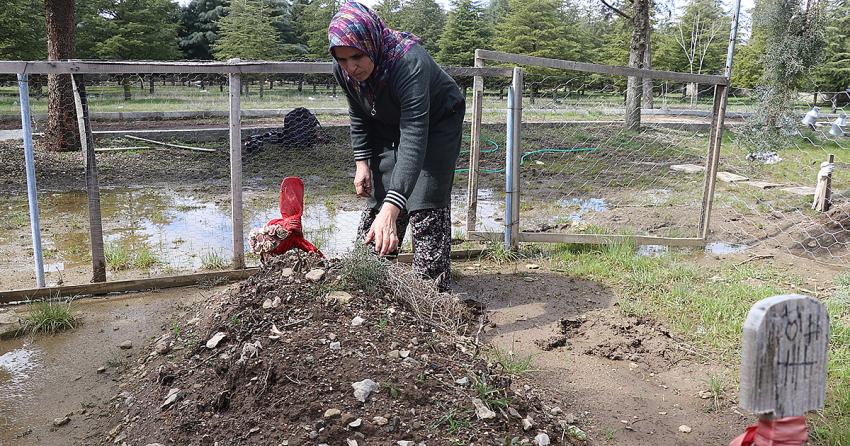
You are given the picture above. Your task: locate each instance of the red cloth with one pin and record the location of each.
(789, 431)
(291, 208)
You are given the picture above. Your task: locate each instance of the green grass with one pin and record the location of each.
(50, 316)
(361, 270)
(213, 260)
(144, 258)
(511, 362)
(493, 397)
(117, 257)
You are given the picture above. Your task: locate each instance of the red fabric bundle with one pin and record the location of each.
(789, 431)
(291, 208)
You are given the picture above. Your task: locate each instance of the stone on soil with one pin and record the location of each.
(356, 423)
(685, 429)
(357, 321)
(216, 339)
(315, 275)
(527, 423)
(126, 345)
(380, 421)
(339, 298)
(332, 413)
(541, 439)
(58, 422)
(162, 347)
(362, 389)
(482, 411)
(172, 397)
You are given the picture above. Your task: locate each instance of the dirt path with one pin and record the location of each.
(49, 377)
(642, 397)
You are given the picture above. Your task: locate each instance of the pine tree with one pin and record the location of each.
(390, 12)
(425, 19)
(465, 31)
(536, 28)
(834, 73)
(199, 27)
(247, 32)
(136, 30)
(312, 26)
(24, 36)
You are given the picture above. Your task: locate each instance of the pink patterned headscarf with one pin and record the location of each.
(357, 26)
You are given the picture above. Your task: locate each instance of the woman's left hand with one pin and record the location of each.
(383, 230)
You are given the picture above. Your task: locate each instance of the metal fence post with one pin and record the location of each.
(236, 169)
(512, 160)
(475, 147)
(32, 194)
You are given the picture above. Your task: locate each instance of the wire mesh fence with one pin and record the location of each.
(163, 168)
(766, 200)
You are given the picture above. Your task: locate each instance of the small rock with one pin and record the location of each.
(482, 411)
(414, 341)
(570, 418)
(514, 412)
(350, 442)
(216, 339)
(393, 354)
(338, 298)
(253, 430)
(171, 398)
(462, 381)
(357, 321)
(705, 394)
(541, 439)
(315, 275)
(276, 302)
(685, 429)
(532, 266)
(59, 422)
(555, 411)
(335, 345)
(332, 413)
(405, 443)
(362, 389)
(287, 272)
(404, 353)
(356, 423)
(410, 362)
(101, 370)
(527, 423)
(267, 304)
(126, 345)
(162, 347)
(380, 421)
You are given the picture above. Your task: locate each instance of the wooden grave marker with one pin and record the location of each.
(784, 360)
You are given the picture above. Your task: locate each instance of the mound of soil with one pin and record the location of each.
(281, 360)
(617, 337)
(826, 236)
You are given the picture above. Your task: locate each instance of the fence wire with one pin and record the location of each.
(768, 205)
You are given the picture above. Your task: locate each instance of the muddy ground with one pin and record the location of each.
(622, 381)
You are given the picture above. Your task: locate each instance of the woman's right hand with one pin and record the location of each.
(363, 180)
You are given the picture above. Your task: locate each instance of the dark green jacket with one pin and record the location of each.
(412, 135)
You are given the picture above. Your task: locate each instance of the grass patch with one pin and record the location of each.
(144, 258)
(510, 362)
(361, 270)
(213, 260)
(50, 316)
(117, 257)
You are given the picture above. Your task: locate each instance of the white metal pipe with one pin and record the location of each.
(733, 38)
(32, 194)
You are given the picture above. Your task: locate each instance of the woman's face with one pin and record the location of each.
(355, 62)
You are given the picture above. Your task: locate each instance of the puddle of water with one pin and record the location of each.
(584, 206)
(181, 228)
(16, 367)
(719, 248)
(652, 250)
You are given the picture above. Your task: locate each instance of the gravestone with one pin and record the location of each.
(783, 372)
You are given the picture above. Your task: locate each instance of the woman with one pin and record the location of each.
(406, 122)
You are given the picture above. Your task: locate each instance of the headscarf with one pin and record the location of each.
(357, 26)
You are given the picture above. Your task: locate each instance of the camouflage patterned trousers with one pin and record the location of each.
(432, 241)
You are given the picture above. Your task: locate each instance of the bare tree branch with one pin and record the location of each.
(617, 10)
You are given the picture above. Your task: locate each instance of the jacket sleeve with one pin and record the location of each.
(411, 87)
(359, 120)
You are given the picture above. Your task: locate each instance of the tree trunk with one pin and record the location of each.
(300, 85)
(61, 132)
(647, 63)
(262, 87)
(151, 84)
(634, 85)
(334, 90)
